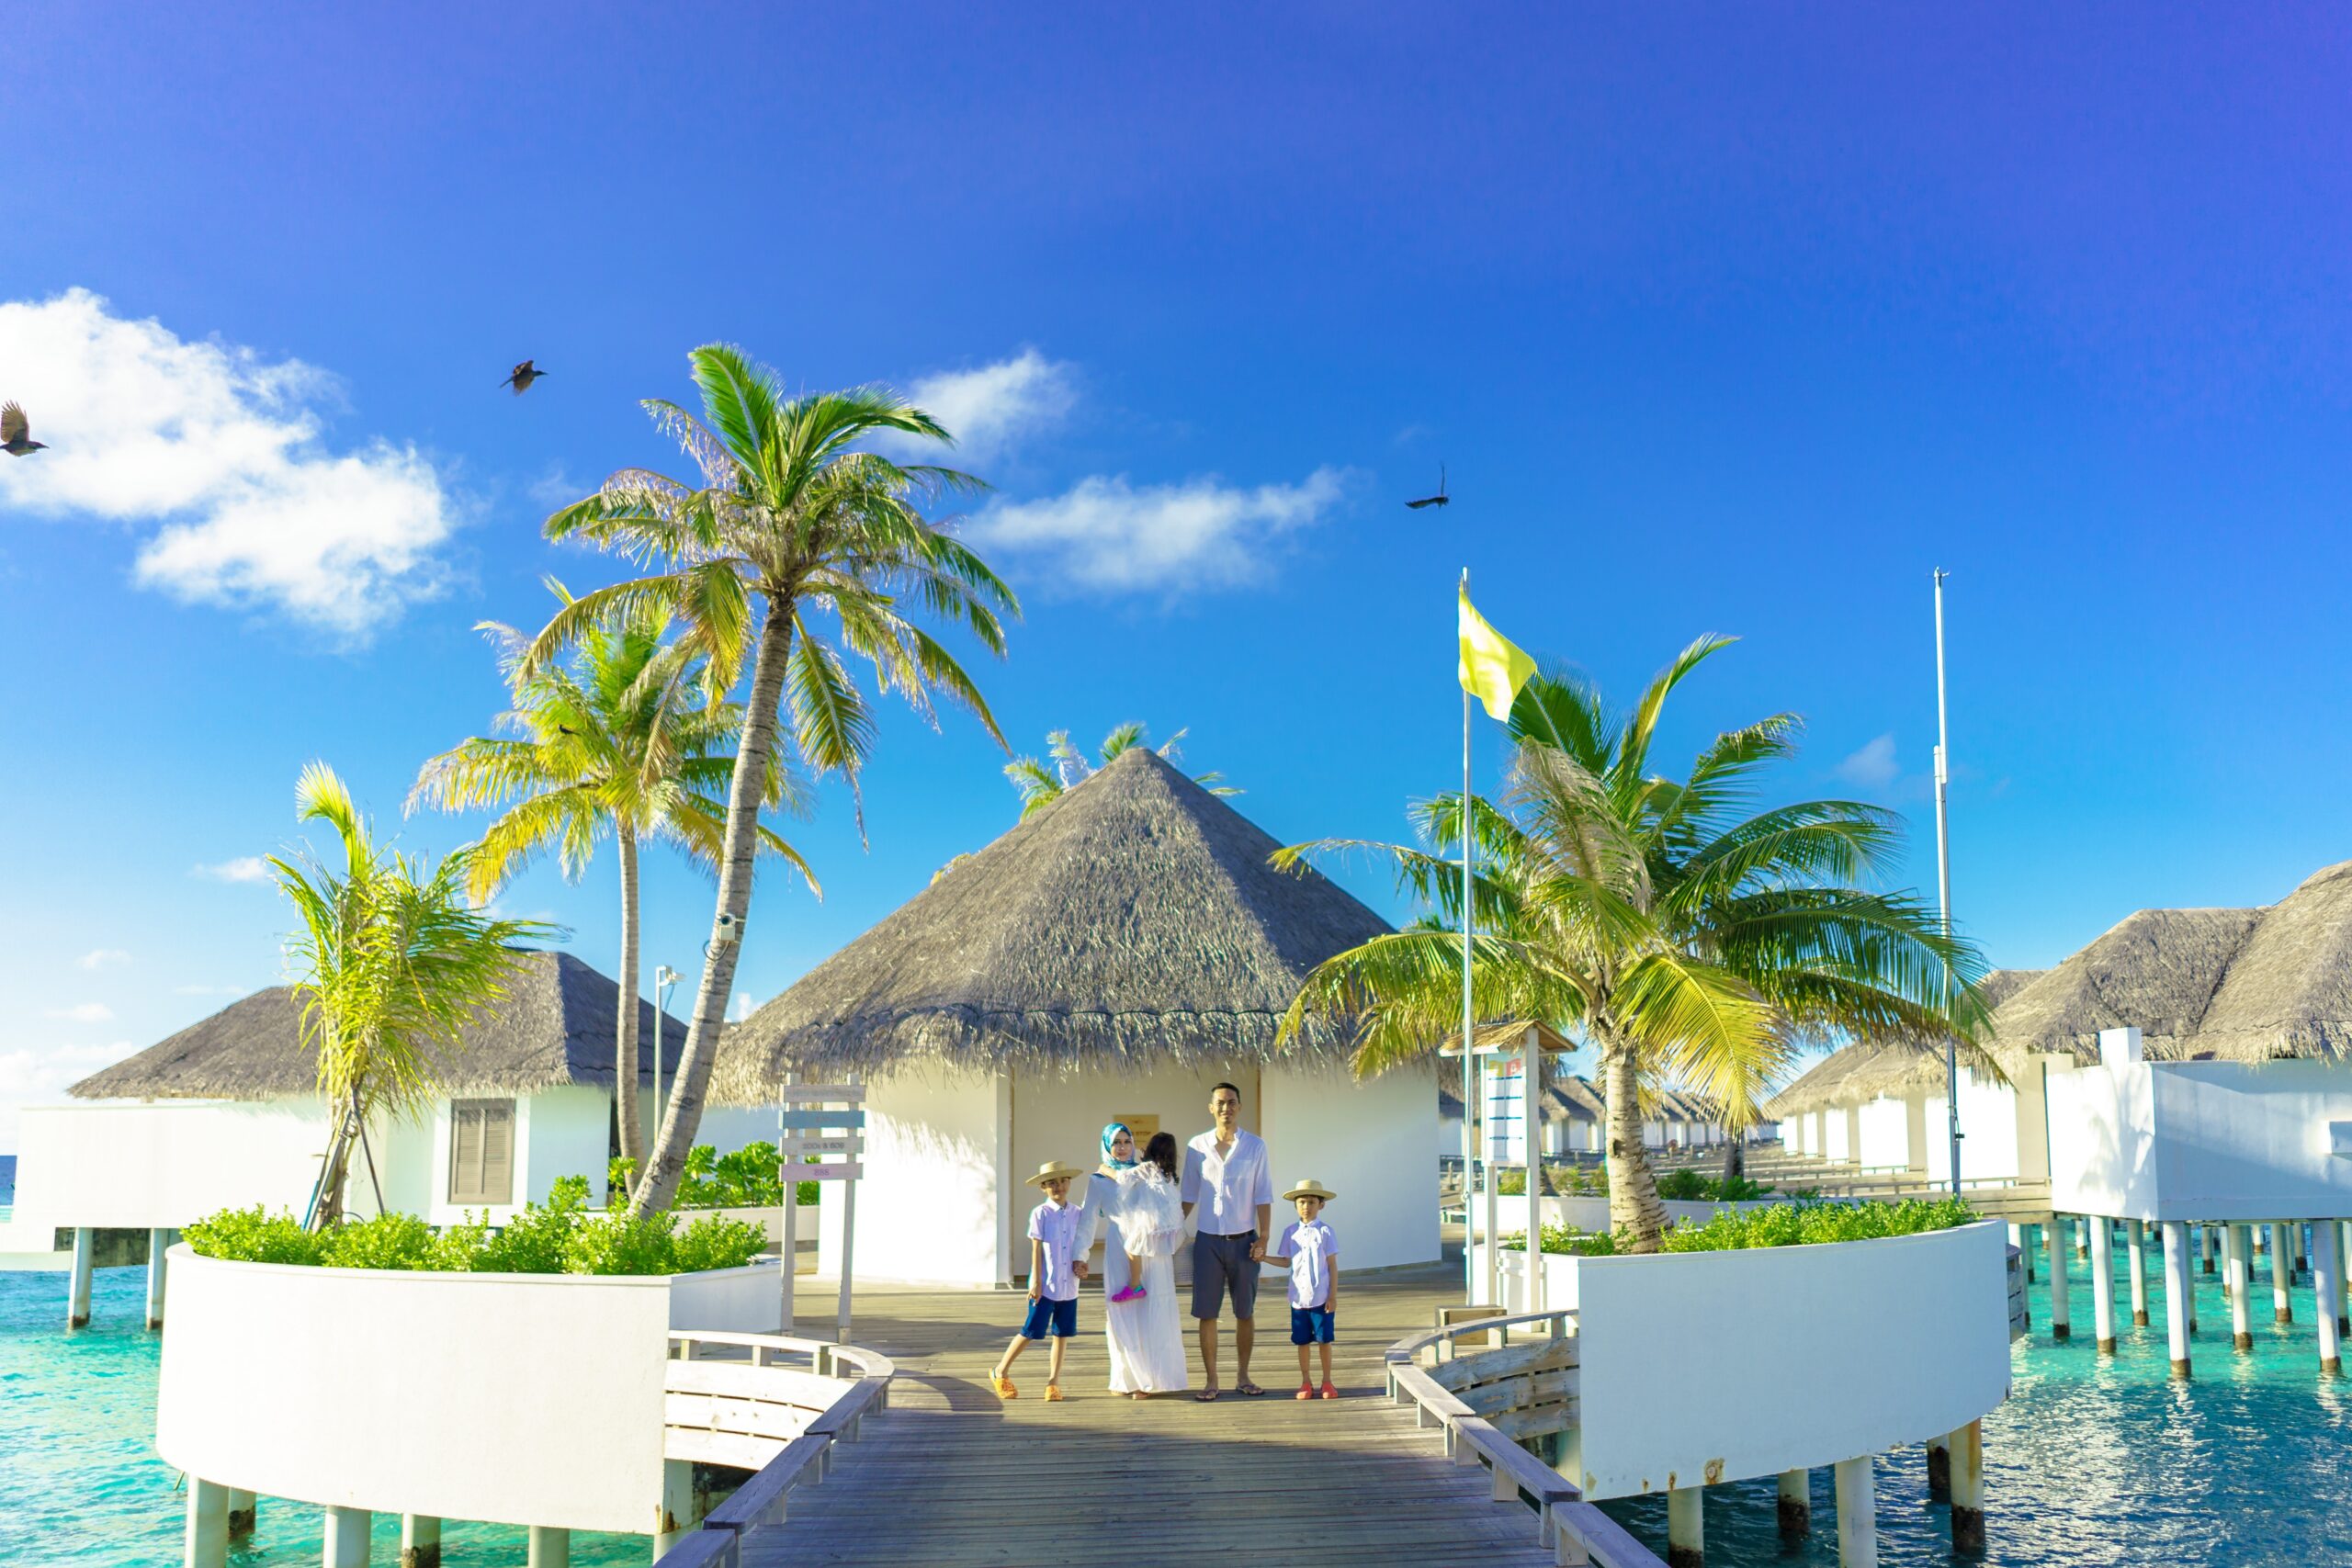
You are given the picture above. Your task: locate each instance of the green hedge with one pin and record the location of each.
(1592, 1181)
(750, 1178)
(559, 1237)
(1801, 1222)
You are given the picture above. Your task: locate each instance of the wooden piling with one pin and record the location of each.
(1686, 1543)
(2102, 1285)
(1968, 1488)
(1796, 1504)
(2176, 1294)
(1938, 1468)
(1857, 1512)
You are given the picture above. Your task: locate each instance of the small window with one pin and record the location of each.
(482, 1151)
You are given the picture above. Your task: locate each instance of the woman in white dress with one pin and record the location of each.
(1140, 1314)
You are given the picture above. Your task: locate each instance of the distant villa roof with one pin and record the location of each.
(1134, 920)
(557, 1026)
(1860, 1073)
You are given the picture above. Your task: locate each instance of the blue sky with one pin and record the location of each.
(1723, 320)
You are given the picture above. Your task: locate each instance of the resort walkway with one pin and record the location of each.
(950, 1475)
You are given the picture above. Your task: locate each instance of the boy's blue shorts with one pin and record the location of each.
(1310, 1325)
(1060, 1318)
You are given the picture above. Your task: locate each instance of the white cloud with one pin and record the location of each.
(103, 958)
(1107, 534)
(554, 487)
(221, 450)
(31, 1076)
(741, 1009)
(82, 1012)
(990, 409)
(244, 868)
(1872, 767)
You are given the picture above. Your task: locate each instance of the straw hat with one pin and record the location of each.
(1054, 1169)
(1311, 1187)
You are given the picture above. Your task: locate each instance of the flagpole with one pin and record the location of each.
(1943, 884)
(1470, 1139)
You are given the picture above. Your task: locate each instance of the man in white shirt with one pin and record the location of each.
(1229, 1183)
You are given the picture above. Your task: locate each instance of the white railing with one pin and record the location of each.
(1533, 1388)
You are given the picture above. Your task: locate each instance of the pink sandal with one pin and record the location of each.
(1132, 1293)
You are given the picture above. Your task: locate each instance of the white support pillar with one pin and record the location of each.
(2033, 1245)
(2343, 1276)
(243, 1514)
(420, 1540)
(2060, 1327)
(2237, 1271)
(347, 1539)
(2328, 1271)
(678, 1512)
(2177, 1289)
(2083, 1224)
(2283, 1274)
(1968, 1488)
(77, 1292)
(158, 1242)
(207, 1525)
(1686, 1543)
(2136, 1249)
(1796, 1504)
(550, 1547)
(1531, 1127)
(1857, 1512)
(2207, 1244)
(2102, 1285)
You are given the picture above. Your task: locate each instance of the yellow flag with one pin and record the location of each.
(1493, 669)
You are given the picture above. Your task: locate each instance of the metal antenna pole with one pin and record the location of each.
(1474, 1133)
(1943, 880)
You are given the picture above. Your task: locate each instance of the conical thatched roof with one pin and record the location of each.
(555, 1027)
(1134, 922)
(2158, 970)
(2289, 990)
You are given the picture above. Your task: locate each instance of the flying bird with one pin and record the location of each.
(1437, 500)
(525, 374)
(17, 433)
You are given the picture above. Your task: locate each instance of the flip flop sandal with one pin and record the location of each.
(1329, 1393)
(1003, 1387)
(1249, 1390)
(1306, 1391)
(1207, 1395)
(1053, 1393)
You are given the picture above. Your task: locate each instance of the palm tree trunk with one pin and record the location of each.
(1634, 1212)
(630, 1106)
(1735, 1155)
(660, 1186)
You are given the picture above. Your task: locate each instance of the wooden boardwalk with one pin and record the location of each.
(951, 1475)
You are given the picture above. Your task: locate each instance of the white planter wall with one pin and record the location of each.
(515, 1398)
(159, 1165)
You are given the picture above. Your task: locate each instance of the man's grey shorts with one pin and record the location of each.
(1219, 1262)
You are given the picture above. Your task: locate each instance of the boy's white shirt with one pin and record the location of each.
(1064, 1226)
(1312, 1247)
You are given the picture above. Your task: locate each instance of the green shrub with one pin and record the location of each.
(621, 1244)
(537, 1240)
(1688, 1186)
(1801, 1223)
(252, 1235)
(750, 1178)
(1563, 1239)
(713, 1241)
(387, 1241)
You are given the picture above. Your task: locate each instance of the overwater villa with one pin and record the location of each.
(1110, 958)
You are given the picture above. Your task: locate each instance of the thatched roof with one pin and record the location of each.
(556, 1027)
(2289, 990)
(1134, 922)
(1508, 1035)
(1858, 1074)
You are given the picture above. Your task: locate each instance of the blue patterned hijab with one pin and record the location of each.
(1110, 1131)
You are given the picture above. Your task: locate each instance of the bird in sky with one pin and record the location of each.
(523, 374)
(17, 433)
(1439, 499)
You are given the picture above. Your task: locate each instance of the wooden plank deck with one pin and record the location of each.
(951, 1475)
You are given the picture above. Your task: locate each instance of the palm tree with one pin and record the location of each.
(790, 522)
(611, 745)
(391, 963)
(1685, 939)
(1040, 785)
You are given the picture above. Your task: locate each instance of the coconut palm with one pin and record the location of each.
(612, 745)
(391, 962)
(794, 554)
(1685, 939)
(1040, 785)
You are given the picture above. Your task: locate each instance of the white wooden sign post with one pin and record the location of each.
(827, 1120)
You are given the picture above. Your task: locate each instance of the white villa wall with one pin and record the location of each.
(1885, 1127)
(520, 1399)
(1681, 1386)
(1346, 1133)
(2229, 1141)
(158, 1165)
(936, 1167)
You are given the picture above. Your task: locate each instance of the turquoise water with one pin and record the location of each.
(80, 1483)
(2093, 1461)
(2106, 1460)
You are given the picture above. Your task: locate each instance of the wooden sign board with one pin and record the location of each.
(820, 1093)
(829, 1172)
(817, 1120)
(801, 1145)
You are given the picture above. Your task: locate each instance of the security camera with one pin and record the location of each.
(729, 929)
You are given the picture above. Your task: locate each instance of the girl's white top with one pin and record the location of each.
(1312, 1249)
(1150, 1213)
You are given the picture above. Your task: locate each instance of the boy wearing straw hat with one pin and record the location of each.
(1060, 1236)
(1314, 1254)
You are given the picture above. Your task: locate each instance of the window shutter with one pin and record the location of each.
(465, 1152)
(482, 1151)
(498, 1153)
